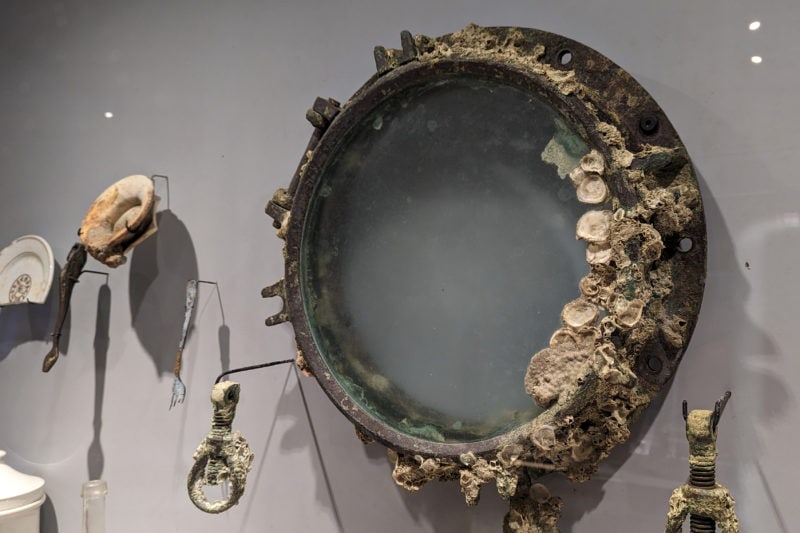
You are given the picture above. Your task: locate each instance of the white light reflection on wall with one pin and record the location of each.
(756, 59)
(108, 114)
(754, 25)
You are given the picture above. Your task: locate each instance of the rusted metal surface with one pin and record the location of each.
(646, 273)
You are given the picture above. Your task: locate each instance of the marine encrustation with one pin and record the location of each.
(709, 503)
(222, 455)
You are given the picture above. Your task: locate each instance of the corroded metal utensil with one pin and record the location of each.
(76, 259)
(178, 388)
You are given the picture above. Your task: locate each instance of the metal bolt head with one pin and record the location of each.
(648, 124)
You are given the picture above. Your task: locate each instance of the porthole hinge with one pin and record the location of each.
(276, 289)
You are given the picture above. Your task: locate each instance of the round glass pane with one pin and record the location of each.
(438, 251)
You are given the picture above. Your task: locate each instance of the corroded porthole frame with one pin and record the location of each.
(625, 333)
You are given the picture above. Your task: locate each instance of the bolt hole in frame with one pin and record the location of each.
(619, 332)
(685, 244)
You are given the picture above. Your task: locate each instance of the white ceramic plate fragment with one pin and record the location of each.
(26, 271)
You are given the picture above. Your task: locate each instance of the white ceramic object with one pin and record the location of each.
(21, 496)
(119, 219)
(26, 271)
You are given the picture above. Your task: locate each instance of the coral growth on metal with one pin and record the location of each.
(626, 326)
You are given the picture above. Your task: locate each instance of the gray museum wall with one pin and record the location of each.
(213, 94)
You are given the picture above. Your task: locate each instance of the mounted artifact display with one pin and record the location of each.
(430, 243)
(707, 503)
(26, 271)
(73, 268)
(178, 387)
(223, 457)
(119, 219)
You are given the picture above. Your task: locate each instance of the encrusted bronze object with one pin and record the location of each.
(223, 456)
(626, 327)
(707, 502)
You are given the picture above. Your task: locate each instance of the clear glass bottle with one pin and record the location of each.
(93, 494)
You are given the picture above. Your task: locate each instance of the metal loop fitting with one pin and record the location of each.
(222, 455)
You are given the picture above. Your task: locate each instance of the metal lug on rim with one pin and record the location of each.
(388, 58)
(277, 207)
(410, 51)
(328, 108)
(383, 61)
(323, 112)
(276, 289)
(316, 119)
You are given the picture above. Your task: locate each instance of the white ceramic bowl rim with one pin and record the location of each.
(39, 285)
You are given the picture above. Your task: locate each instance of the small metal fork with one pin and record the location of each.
(178, 388)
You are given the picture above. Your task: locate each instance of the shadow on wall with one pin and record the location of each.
(48, 523)
(159, 270)
(300, 436)
(33, 322)
(224, 336)
(736, 341)
(304, 435)
(224, 331)
(742, 355)
(95, 459)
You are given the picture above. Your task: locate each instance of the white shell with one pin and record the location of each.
(26, 271)
(577, 175)
(593, 162)
(579, 313)
(598, 253)
(629, 313)
(594, 226)
(592, 189)
(588, 286)
(573, 340)
(544, 437)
